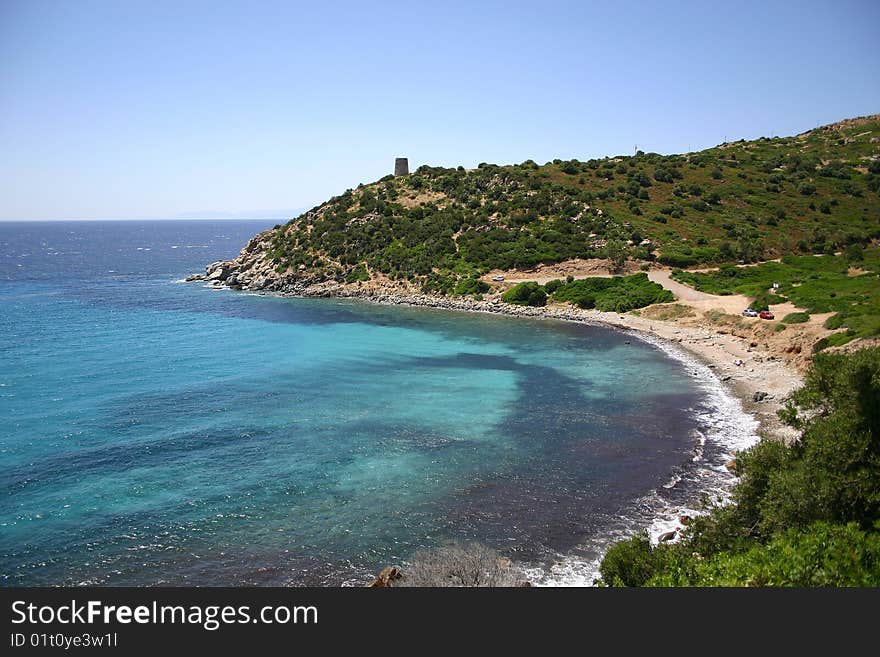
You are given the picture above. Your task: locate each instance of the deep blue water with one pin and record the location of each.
(154, 431)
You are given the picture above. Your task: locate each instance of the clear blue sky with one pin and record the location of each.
(163, 109)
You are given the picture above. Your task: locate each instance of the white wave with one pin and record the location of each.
(725, 428)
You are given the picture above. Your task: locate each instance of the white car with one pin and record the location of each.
(749, 312)
(498, 278)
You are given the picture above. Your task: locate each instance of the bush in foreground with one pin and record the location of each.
(471, 564)
(805, 515)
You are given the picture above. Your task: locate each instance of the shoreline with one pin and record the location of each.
(732, 374)
(758, 379)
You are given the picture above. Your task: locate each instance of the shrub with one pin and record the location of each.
(805, 515)
(526, 294)
(551, 286)
(796, 318)
(854, 253)
(821, 555)
(674, 259)
(662, 175)
(628, 563)
(617, 294)
(763, 301)
(472, 565)
(359, 273)
(807, 189)
(470, 286)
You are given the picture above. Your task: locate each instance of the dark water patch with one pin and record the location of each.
(117, 458)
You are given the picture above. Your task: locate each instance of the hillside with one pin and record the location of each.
(743, 201)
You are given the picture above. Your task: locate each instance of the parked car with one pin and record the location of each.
(749, 312)
(766, 314)
(498, 278)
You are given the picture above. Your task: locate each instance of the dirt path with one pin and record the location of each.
(733, 304)
(579, 268)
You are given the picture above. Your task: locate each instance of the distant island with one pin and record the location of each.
(760, 257)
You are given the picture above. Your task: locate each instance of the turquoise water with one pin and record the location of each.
(158, 432)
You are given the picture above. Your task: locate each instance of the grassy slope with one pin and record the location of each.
(742, 201)
(847, 286)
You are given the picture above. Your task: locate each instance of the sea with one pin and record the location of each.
(159, 432)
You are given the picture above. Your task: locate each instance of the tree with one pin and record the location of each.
(472, 565)
(615, 251)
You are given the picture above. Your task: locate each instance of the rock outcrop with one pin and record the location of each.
(386, 578)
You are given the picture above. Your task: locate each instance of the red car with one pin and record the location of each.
(766, 314)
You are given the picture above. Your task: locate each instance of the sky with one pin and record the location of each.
(260, 109)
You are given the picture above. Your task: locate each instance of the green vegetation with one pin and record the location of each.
(742, 201)
(471, 286)
(359, 273)
(526, 294)
(817, 284)
(806, 515)
(796, 318)
(617, 294)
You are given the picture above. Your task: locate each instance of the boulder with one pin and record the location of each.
(219, 274)
(760, 396)
(386, 577)
(666, 536)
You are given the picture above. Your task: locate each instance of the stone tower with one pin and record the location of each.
(401, 166)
